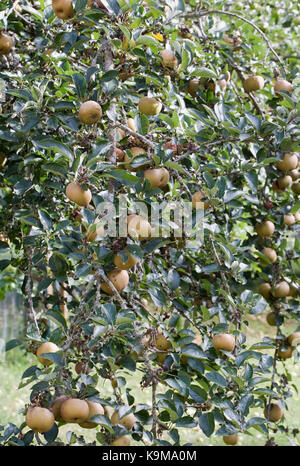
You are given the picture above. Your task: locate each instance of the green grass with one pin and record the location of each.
(13, 400)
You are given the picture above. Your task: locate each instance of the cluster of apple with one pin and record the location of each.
(65, 409)
(289, 164)
(281, 289)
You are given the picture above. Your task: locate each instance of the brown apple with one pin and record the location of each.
(224, 341)
(39, 419)
(76, 194)
(47, 347)
(119, 278)
(253, 83)
(90, 112)
(74, 410)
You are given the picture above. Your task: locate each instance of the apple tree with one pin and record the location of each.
(154, 104)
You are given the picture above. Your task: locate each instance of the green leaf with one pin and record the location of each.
(103, 421)
(22, 186)
(207, 423)
(205, 73)
(57, 317)
(110, 312)
(142, 123)
(45, 219)
(193, 351)
(173, 279)
(58, 265)
(80, 84)
(216, 378)
(12, 344)
(123, 176)
(52, 144)
(54, 357)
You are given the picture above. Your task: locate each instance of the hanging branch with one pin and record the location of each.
(29, 290)
(201, 13)
(112, 158)
(224, 280)
(134, 133)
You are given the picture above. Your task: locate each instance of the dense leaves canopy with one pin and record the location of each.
(213, 137)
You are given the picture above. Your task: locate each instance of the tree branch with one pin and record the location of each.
(29, 290)
(201, 13)
(112, 158)
(133, 133)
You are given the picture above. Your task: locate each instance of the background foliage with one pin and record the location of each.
(227, 144)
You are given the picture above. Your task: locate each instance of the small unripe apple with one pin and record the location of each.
(294, 339)
(288, 162)
(149, 106)
(168, 58)
(253, 83)
(284, 181)
(265, 289)
(90, 112)
(128, 421)
(231, 439)
(224, 341)
(271, 319)
(6, 44)
(74, 410)
(119, 278)
(265, 229)
(63, 9)
(162, 343)
(295, 174)
(123, 441)
(131, 124)
(273, 412)
(76, 194)
(296, 188)
(158, 177)
(193, 86)
(270, 254)
(281, 290)
(222, 83)
(47, 347)
(283, 85)
(289, 220)
(285, 354)
(39, 419)
(276, 188)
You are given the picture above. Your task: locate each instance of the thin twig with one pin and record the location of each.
(199, 13)
(29, 290)
(112, 158)
(134, 133)
(223, 276)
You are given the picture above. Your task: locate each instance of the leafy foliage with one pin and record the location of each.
(217, 139)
